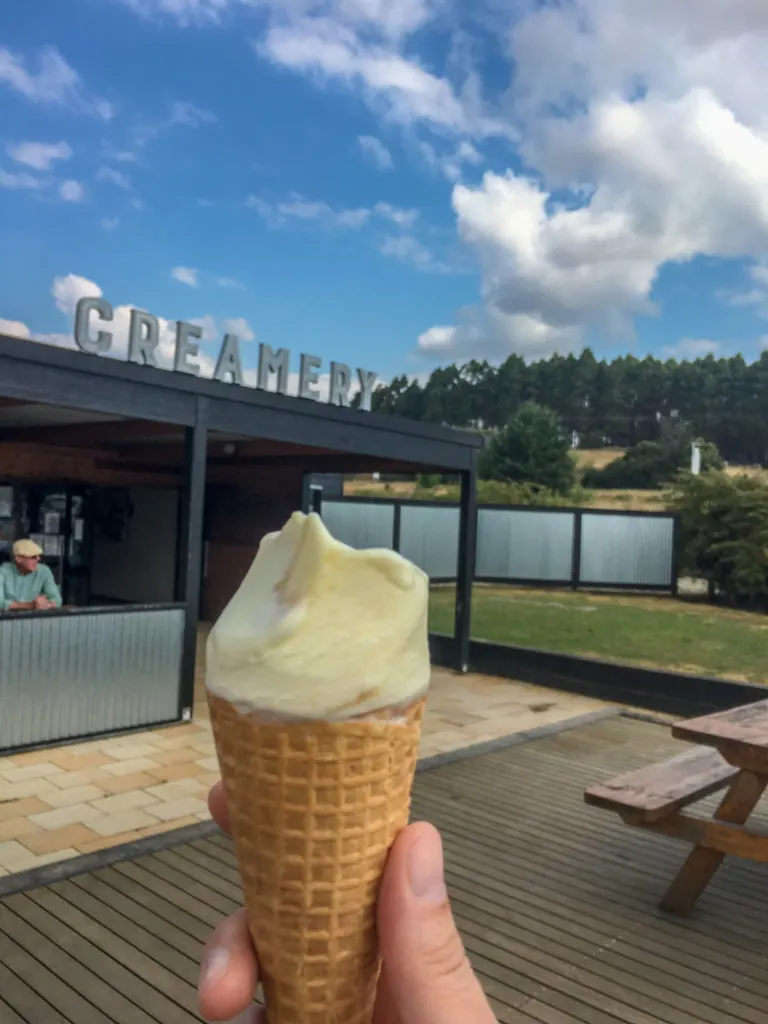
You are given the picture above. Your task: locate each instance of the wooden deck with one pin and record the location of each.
(556, 902)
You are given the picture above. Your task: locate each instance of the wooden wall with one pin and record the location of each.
(237, 517)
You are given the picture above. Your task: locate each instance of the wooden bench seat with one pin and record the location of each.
(659, 790)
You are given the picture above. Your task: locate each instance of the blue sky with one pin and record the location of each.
(393, 184)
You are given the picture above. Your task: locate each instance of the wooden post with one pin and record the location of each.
(465, 572)
(190, 563)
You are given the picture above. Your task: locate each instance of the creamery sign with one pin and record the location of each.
(93, 334)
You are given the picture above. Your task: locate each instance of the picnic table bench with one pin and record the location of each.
(732, 754)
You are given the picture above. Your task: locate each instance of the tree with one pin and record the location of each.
(531, 448)
(724, 532)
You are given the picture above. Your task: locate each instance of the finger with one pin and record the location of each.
(428, 973)
(217, 805)
(385, 1011)
(229, 970)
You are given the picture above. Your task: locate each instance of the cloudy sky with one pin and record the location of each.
(391, 183)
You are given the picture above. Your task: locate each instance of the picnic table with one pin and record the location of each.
(732, 753)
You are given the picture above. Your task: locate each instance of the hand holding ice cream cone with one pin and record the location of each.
(426, 978)
(316, 676)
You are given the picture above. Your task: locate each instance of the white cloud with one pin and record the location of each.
(53, 82)
(691, 348)
(138, 204)
(756, 295)
(299, 208)
(186, 275)
(121, 156)
(240, 326)
(186, 12)
(190, 115)
(208, 325)
(110, 223)
(68, 289)
(180, 112)
(645, 130)
(403, 218)
(19, 181)
(375, 151)
(405, 90)
(230, 282)
(450, 161)
(113, 177)
(437, 339)
(39, 155)
(408, 249)
(14, 327)
(71, 191)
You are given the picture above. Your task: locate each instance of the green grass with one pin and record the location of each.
(658, 632)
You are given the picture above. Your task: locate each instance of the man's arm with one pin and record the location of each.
(50, 590)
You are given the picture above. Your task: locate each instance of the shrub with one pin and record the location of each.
(652, 464)
(724, 533)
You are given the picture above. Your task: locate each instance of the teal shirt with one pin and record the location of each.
(15, 587)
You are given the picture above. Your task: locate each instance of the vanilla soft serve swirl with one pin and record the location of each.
(320, 630)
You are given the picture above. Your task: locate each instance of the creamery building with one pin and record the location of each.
(148, 491)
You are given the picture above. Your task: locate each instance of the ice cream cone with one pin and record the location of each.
(315, 807)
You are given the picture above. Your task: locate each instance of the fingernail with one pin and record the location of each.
(425, 870)
(214, 966)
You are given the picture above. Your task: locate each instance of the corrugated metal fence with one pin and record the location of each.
(558, 546)
(85, 673)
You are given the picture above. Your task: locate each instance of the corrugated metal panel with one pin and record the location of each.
(360, 525)
(627, 549)
(516, 544)
(429, 537)
(80, 674)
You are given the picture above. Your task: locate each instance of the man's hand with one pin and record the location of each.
(426, 977)
(42, 603)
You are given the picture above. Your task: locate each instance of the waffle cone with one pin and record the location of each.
(315, 808)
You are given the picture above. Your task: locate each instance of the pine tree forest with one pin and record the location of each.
(607, 404)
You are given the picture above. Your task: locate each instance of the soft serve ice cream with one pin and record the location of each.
(319, 630)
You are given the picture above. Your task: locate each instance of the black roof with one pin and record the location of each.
(35, 372)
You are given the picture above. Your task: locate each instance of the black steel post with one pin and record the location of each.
(191, 549)
(676, 554)
(576, 550)
(465, 570)
(397, 519)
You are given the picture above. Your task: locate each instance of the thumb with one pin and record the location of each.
(428, 976)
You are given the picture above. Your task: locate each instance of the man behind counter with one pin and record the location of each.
(25, 584)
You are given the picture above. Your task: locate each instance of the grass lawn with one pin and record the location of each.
(680, 635)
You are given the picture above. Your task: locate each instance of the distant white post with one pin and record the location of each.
(695, 458)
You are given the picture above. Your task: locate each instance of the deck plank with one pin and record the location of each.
(557, 903)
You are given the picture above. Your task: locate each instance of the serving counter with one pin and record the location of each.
(80, 672)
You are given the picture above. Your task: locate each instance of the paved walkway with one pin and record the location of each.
(61, 802)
